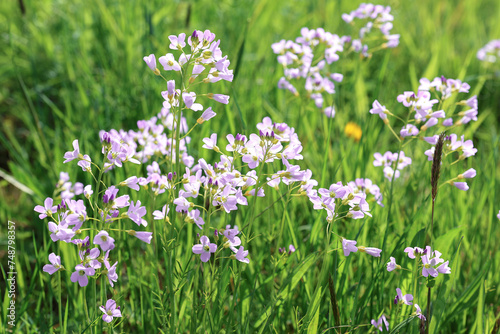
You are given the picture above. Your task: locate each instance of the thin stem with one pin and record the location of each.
(60, 302)
(429, 289)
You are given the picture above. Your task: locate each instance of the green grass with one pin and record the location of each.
(69, 69)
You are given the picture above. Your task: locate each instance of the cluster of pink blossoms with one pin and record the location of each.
(152, 139)
(378, 17)
(427, 113)
(67, 190)
(302, 64)
(432, 265)
(202, 58)
(306, 61)
(464, 148)
(422, 106)
(69, 219)
(490, 52)
(227, 186)
(399, 300)
(392, 163)
(431, 261)
(368, 187)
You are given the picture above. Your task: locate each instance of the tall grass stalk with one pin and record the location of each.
(435, 171)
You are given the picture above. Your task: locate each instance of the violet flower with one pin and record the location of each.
(205, 248)
(110, 311)
(55, 266)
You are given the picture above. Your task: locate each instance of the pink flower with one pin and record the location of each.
(104, 240)
(429, 264)
(136, 212)
(110, 311)
(392, 265)
(69, 156)
(205, 248)
(150, 61)
(418, 312)
(55, 266)
(406, 299)
(329, 112)
(81, 273)
(379, 109)
(378, 324)
(47, 210)
(461, 185)
(469, 174)
(177, 42)
(207, 114)
(444, 269)
(370, 251)
(412, 252)
(349, 246)
(169, 63)
(211, 143)
(221, 98)
(163, 214)
(241, 255)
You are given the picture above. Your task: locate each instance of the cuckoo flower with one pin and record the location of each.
(205, 248)
(349, 246)
(406, 299)
(55, 264)
(110, 311)
(104, 240)
(47, 210)
(81, 273)
(381, 321)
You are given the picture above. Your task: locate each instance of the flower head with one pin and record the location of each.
(55, 265)
(205, 248)
(406, 299)
(81, 273)
(349, 246)
(110, 311)
(381, 321)
(47, 210)
(104, 240)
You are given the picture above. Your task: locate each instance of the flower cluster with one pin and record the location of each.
(490, 52)
(202, 58)
(349, 246)
(381, 321)
(366, 186)
(152, 139)
(238, 174)
(68, 190)
(422, 106)
(431, 261)
(291, 249)
(340, 201)
(378, 18)
(230, 240)
(392, 163)
(306, 60)
(464, 148)
(70, 218)
(399, 300)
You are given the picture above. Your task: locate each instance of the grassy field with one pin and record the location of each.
(69, 69)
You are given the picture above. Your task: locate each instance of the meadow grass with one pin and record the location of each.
(69, 69)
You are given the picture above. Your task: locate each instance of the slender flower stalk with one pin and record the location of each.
(435, 171)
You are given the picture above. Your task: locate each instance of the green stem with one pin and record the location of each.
(60, 301)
